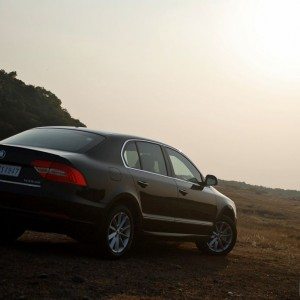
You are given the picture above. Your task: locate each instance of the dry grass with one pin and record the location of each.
(264, 263)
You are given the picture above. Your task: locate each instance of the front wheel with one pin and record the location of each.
(118, 233)
(222, 240)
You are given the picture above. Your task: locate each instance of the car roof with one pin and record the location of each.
(103, 133)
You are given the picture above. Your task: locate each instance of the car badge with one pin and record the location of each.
(2, 154)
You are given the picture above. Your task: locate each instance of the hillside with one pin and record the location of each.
(25, 106)
(260, 190)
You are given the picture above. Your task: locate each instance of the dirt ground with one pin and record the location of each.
(264, 263)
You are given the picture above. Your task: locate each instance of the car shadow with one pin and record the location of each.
(148, 250)
(184, 253)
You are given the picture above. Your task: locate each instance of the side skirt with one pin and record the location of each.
(176, 236)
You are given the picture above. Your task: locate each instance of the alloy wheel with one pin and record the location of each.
(221, 237)
(119, 232)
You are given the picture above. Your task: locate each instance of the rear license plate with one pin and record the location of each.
(12, 171)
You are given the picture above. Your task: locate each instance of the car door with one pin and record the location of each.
(157, 190)
(195, 208)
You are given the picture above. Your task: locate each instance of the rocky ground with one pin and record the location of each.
(264, 263)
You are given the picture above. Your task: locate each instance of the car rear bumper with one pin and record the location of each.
(58, 210)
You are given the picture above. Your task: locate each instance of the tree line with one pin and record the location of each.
(25, 106)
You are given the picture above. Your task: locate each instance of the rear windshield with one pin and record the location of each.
(58, 139)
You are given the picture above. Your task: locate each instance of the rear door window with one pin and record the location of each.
(152, 159)
(131, 156)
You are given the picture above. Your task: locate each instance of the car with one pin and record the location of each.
(110, 189)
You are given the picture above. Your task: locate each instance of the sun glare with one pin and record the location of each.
(270, 38)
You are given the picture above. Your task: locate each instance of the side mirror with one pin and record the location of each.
(210, 180)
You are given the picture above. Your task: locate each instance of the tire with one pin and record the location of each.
(9, 232)
(222, 240)
(117, 235)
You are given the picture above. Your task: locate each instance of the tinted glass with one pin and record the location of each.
(131, 156)
(58, 139)
(183, 168)
(152, 159)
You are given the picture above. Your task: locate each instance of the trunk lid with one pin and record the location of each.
(16, 163)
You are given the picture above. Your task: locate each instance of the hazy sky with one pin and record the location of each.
(218, 79)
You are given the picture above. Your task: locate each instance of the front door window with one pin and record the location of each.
(183, 168)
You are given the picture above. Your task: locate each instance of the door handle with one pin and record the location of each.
(143, 184)
(183, 192)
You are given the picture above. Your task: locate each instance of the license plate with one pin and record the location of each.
(12, 171)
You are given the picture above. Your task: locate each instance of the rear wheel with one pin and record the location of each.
(222, 239)
(9, 232)
(118, 233)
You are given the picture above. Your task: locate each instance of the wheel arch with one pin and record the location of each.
(132, 203)
(228, 212)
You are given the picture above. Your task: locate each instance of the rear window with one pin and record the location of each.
(58, 139)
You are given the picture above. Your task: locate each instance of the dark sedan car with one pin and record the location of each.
(109, 188)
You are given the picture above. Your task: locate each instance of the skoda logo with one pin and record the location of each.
(2, 154)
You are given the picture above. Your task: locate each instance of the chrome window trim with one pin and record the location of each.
(20, 183)
(161, 145)
(177, 220)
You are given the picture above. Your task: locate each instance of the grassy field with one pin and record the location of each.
(264, 263)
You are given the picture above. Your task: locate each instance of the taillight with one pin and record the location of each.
(58, 172)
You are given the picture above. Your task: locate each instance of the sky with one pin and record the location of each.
(217, 79)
